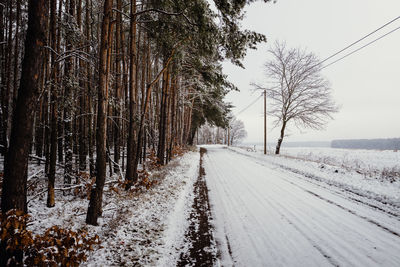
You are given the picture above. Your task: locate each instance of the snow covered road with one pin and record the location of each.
(267, 216)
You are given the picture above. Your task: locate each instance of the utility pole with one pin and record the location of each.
(229, 134)
(265, 122)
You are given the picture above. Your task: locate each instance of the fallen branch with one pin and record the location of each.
(57, 188)
(111, 182)
(34, 175)
(37, 195)
(43, 159)
(69, 188)
(121, 173)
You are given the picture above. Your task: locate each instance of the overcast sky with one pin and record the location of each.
(366, 85)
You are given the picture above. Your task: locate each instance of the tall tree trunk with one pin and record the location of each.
(7, 90)
(163, 118)
(168, 120)
(16, 165)
(90, 143)
(54, 111)
(142, 141)
(173, 119)
(278, 145)
(68, 102)
(82, 136)
(39, 126)
(109, 133)
(16, 56)
(47, 133)
(131, 154)
(60, 129)
(2, 78)
(60, 138)
(189, 134)
(118, 88)
(95, 203)
(124, 94)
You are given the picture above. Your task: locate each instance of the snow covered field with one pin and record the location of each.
(372, 163)
(377, 185)
(358, 158)
(277, 211)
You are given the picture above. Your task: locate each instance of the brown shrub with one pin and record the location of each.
(56, 247)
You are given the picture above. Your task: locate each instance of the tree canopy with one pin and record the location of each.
(297, 90)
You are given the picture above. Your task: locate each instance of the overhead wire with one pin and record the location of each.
(358, 49)
(248, 106)
(361, 39)
(342, 50)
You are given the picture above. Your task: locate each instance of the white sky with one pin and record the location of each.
(366, 85)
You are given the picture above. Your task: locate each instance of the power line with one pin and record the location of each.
(358, 49)
(359, 40)
(248, 106)
(342, 50)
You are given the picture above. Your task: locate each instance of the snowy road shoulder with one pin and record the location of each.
(150, 229)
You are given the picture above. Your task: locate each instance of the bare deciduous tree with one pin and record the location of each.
(298, 92)
(237, 131)
(209, 134)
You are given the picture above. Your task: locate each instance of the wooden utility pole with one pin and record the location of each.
(265, 122)
(229, 134)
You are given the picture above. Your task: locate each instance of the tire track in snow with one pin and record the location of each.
(340, 206)
(314, 221)
(382, 205)
(232, 205)
(318, 248)
(237, 202)
(298, 224)
(394, 215)
(255, 243)
(349, 210)
(299, 217)
(313, 179)
(323, 252)
(295, 224)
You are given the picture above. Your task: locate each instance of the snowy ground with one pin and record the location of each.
(363, 158)
(379, 186)
(278, 211)
(299, 209)
(150, 230)
(371, 163)
(146, 227)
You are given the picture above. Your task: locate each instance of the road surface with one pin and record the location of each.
(267, 216)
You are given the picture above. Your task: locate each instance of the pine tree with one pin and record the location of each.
(96, 195)
(16, 165)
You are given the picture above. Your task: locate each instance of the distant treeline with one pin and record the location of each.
(390, 144)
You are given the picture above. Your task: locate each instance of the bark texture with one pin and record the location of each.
(15, 169)
(95, 203)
